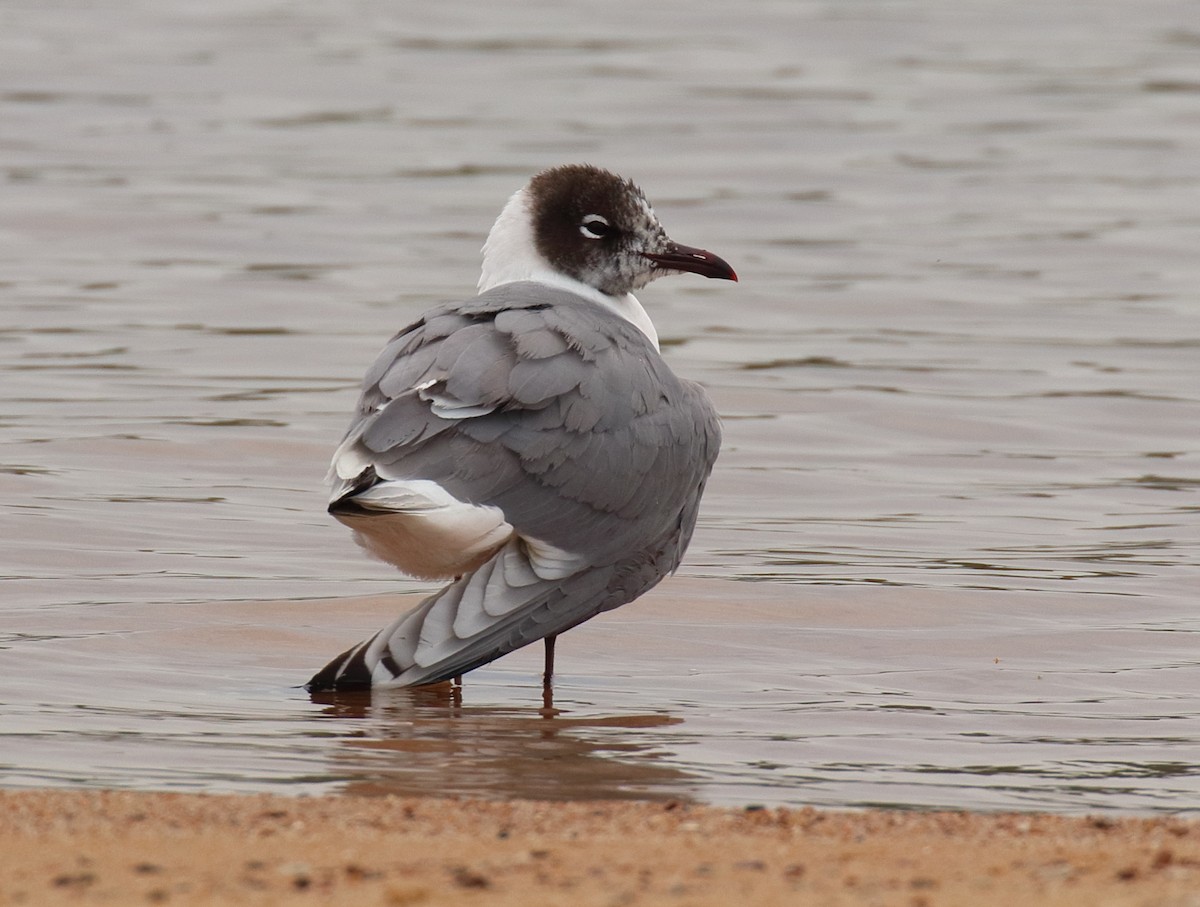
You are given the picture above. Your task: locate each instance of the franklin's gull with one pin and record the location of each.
(531, 444)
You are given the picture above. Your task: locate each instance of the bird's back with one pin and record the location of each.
(563, 419)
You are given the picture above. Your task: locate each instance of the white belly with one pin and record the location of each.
(421, 528)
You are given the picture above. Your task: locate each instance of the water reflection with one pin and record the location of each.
(414, 742)
(968, 323)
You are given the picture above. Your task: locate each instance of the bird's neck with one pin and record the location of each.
(510, 254)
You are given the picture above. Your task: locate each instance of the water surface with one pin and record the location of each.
(950, 553)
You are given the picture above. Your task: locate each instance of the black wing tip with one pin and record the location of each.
(346, 503)
(346, 672)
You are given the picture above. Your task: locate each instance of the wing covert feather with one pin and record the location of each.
(585, 424)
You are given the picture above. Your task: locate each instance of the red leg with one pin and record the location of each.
(548, 675)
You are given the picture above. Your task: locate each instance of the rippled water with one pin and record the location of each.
(950, 555)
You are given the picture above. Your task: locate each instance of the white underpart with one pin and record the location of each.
(510, 254)
(421, 528)
(424, 530)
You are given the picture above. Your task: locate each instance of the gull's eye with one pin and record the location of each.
(595, 227)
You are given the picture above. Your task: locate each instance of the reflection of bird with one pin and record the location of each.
(424, 739)
(530, 444)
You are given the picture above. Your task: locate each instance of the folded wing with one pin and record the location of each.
(536, 447)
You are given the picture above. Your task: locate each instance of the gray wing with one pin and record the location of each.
(566, 418)
(563, 415)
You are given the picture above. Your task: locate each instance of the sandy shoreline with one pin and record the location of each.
(65, 847)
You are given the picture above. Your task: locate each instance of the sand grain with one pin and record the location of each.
(129, 848)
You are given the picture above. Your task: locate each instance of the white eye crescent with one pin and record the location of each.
(594, 226)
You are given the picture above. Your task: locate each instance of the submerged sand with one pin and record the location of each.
(63, 847)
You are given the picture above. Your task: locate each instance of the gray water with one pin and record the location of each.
(950, 553)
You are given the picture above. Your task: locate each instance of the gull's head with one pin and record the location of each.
(581, 225)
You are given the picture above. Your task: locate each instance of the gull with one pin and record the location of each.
(530, 445)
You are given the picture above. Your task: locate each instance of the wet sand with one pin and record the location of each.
(123, 847)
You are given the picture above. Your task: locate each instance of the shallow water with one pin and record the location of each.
(950, 554)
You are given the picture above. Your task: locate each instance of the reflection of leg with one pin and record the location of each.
(548, 675)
